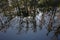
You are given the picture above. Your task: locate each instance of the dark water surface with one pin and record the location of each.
(28, 28)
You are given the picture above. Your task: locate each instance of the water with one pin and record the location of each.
(27, 28)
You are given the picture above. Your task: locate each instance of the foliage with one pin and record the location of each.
(26, 6)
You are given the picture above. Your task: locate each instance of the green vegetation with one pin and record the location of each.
(26, 6)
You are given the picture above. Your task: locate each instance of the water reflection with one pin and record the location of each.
(41, 22)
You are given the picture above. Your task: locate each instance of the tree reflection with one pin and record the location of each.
(57, 32)
(3, 28)
(28, 23)
(34, 28)
(26, 8)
